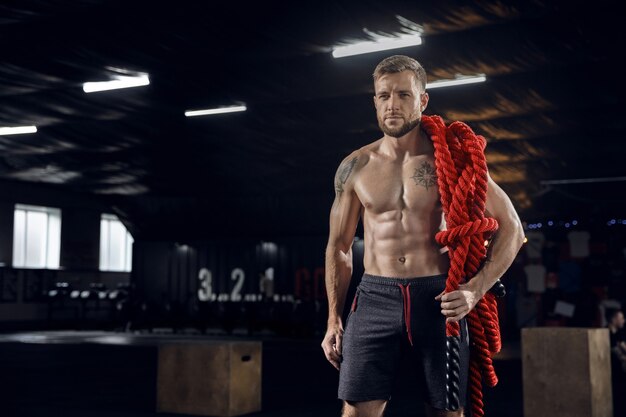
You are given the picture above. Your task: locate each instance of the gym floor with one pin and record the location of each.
(100, 374)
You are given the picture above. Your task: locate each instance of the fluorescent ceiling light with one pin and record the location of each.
(120, 81)
(459, 80)
(381, 44)
(219, 110)
(17, 130)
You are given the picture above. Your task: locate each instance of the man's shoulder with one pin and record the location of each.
(355, 162)
(360, 157)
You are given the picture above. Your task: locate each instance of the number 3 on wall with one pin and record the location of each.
(205, 289)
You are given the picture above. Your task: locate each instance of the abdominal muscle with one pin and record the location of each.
(401, 244)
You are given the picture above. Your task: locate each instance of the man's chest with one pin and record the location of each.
(383, 186)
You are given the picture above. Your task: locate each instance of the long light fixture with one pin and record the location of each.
(458, 80)
(380, 44)
(120, 81)
(17, 130)
(219, 110)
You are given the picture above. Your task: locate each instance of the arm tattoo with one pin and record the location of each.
(425, 175)
(344, 171)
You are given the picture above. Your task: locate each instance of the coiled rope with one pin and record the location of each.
(462, 179)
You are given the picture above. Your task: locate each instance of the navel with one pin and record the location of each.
(402, 259)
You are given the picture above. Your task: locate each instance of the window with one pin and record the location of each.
(116, 245)
(36, 237)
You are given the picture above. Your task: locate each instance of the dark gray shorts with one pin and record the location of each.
(376, 341)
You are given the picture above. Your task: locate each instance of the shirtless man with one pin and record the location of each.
(391, 185)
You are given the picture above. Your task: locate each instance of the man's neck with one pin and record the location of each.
(411, 144)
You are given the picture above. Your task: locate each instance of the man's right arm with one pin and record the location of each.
(344, 217)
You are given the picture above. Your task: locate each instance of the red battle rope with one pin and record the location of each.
(462, 179)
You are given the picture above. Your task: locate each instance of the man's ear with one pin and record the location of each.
(424, 101)
(375, 104)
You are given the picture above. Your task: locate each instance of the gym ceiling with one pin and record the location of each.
(552, 107)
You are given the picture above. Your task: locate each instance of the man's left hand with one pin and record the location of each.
(457, 304)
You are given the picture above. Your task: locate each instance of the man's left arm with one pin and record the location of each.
(502, 251)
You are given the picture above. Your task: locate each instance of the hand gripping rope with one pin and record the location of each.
(462, 180)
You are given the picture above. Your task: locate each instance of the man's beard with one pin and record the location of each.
(397, 132)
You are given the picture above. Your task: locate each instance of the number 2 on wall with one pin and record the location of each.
(239, 276)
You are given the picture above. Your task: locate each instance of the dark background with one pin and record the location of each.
(253, 190)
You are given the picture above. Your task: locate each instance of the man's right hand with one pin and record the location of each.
(332, 344)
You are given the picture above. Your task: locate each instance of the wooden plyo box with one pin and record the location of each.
(566, 372)
(210, 379)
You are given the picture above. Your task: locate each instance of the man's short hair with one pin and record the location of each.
(399, 63)
(611, 312)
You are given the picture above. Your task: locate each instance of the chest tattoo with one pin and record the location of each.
(425, 175)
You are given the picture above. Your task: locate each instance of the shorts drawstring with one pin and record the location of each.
(406, 301)
(353, 308)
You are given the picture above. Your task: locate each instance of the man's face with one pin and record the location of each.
(399, 102)
(618, 320)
